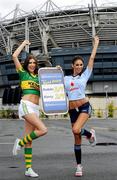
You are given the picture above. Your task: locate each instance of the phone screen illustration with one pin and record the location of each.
(54, 100)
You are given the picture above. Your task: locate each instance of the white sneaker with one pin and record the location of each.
(16, 147)
(92, 139)
(79, 170)
(31, 173)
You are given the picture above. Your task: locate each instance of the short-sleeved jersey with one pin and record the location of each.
(75, 85)
(29, 83)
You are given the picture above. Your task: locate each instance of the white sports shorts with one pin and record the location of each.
(27, 107)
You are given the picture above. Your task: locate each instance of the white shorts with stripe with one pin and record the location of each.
(27, 107)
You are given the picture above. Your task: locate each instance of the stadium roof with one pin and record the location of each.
(50, 7)
(54, 27)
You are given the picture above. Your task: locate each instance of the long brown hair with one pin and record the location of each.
(74, 60)
(26, 62)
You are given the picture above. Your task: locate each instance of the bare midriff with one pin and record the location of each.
(32, 98)
(77, 103)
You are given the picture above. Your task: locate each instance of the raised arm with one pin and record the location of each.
(93, 53)
(17, 52)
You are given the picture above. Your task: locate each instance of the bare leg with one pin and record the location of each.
(39, 127)
(83, 117)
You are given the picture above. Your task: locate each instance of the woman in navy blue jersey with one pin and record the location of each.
(79, 106)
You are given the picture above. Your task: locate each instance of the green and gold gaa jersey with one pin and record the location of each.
(29, 83)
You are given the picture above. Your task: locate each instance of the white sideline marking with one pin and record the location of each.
(101, 128)
(6, 143)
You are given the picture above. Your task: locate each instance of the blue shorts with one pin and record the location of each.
(74, 113)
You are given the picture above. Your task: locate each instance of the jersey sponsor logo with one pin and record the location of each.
(29, 85)
(73, 89)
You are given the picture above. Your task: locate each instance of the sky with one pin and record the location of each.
(8, 6)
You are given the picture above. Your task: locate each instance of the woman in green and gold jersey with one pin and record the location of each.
(29, 106)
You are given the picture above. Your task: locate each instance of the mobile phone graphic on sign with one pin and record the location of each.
(54, 100)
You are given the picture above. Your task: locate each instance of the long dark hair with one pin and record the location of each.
(74, 60)
(26, 62)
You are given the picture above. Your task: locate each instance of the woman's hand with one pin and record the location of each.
(58, 67)
(26, 42)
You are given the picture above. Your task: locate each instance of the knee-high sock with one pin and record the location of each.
(28, 157)
(86, 133)
(78, 153)
(28, 138)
